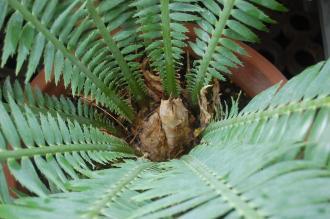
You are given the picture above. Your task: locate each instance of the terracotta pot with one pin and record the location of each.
(256, 74)
(50, 87)
(272, 51)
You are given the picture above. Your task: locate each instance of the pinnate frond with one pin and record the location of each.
(58, 148)
(162, 28)
(67, 108)
(106, 193)
(223, 24)
(298, 112)
(77, 53)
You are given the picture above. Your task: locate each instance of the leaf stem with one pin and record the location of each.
(41, 151)
(266, 114)
(112, 193)
(171, 87)
(80, 119)
(222, 188)
(205, 63)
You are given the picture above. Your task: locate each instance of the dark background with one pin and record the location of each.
(296, 41)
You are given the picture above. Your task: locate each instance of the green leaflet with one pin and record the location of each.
(21, 123)
(4, 6)
(271, 4)
(4, 191)
(24, 46)
(8, 128)
(13, 32)
(5, 196)
(37, 50)
(25, 173)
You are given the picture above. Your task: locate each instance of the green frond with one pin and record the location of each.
(238, 181)
(68, 45)
(275, 116)
(161, 24)
(59, 149)
(129, 68)
(223, 24)
(107, 193)
(43, 103)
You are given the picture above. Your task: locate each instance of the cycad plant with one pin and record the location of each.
(270, 160)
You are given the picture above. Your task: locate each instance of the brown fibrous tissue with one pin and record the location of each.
(167, 131)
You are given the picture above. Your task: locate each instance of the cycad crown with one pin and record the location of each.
(269, 160)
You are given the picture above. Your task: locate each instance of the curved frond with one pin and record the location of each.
(59, 149)
(223, 24)
(299, 111)
(43, 103)
(68, 45)
(122, 53)
(238, 181)
(110, 198)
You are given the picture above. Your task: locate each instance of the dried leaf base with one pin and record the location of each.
(167, 132)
